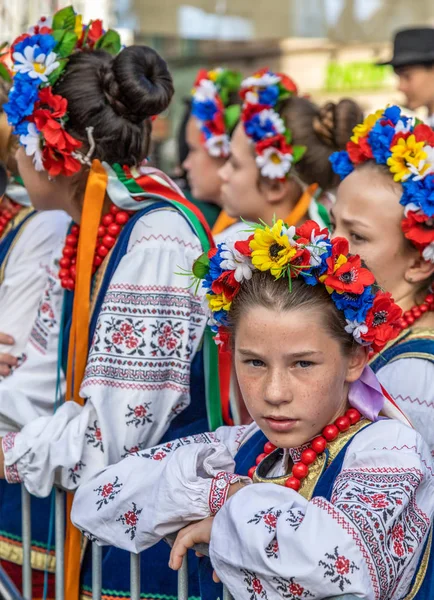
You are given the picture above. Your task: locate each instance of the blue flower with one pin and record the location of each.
(259, 129)
(221, 316)
(204, 111)
(354, 306)
(269, 95)
(45, 41)
(380, 138)
(393, 113)
(214, 270)
(341, 164)
(22, 99)
(420, 193)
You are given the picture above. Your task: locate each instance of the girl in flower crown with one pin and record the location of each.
(385, 209)
(279, 162)
(27, 240)
(213, 113)
(123, 342)
(345, 502)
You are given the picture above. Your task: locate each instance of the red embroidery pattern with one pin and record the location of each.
(139, 415)
(272, 550)
(338, 568)
(130, 520)
(94, 437)
(74, 474)
(219, 490)
(414, 400)
(295, 453)
(167, 339)
(405, 447)
(46, 318)
(268, 517)
(125, 337)
(107, 492)
(12, 475)
(289, 588)
(166, 238)
(9, 441)
(160, 452)
(254, 585)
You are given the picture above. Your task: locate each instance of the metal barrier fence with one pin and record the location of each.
(9, 592)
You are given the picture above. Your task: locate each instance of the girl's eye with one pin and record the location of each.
(357, 238)
(304, 364)
(255, 362)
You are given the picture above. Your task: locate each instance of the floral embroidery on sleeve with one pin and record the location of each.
(139, 415)
(167, 338)
(268, 517)
(289, 588)
(94, 437)
(338, 568)
(254, 585)
(272, 550)
(73, 473)
(124, 336)
(130, 520)
(107, 492)
(295, 518)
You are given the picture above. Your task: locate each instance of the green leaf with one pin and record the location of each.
(64, 19)
(110, 42)
(298, 152)
(4, 73)
(231, 80)
(288, 136)
(201, 266)
(54, 76)
(232, 116)
(67, 44)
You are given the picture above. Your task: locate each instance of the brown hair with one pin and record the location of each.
(323, 130)
(117, 96)
(263, 290)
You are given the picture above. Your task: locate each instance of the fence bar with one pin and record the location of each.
(96, 572)
(8, 591)
(183, 580)
(26, 523)
(135, 576)
(59, 526)
(226, 594)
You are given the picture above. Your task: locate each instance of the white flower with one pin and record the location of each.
(218, 145)
(37, 68)
(251, 98)
(401, 128)
(32, 143)
(425, 166)
(263, 81)
(316, 248)
(268, 114)
(357, 329)
(415, 208)
(233, 260)
(428, 253)
(290, 233)
(206, 90)
(273, 164)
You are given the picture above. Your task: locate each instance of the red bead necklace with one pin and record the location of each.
(111, 225)
(317, 446)
(7, 214)
(415, 313)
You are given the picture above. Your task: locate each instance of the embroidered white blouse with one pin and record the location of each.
(25, 276)
(267, 541)
(138, 369)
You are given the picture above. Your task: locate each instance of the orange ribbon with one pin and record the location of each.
(78, 343)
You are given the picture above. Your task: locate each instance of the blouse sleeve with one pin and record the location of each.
(138, 369)
(269, 542)
(155, 492)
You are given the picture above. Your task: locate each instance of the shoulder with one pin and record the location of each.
(408, 377)
(238, 230)
(48, 224)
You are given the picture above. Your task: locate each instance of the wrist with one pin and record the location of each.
(220, 490)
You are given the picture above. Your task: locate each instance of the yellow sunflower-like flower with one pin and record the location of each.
(272, 251)
(364, 128)
(218, 302)
(406, 154)
(78, 28)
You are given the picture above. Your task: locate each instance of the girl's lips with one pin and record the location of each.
(281, 425)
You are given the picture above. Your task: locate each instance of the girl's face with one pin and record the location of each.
(367, 212)
(240, 193)
(44, 194)
(293, 376)
(202, 169)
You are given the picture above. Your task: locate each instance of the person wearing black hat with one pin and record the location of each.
(413, 62)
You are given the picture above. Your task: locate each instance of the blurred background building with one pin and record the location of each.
(329, 47)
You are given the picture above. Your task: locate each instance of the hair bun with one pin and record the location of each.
(138, 84)
(324, 124)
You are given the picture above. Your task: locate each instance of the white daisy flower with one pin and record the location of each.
(233, 260)
(263, 81)
(206, 90)
(273, 164)
(36, 67)
(357, 330)
(218, 145)
(32, 143)
(269, 114)
(316, 248)
(428, 253)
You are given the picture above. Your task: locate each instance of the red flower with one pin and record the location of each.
(59, 163)
(270, 520)
(276, 141)
(161, 341)
(58, 104)
(359, 152)
(167, 330)
(159, 455)
(117, 338)
(295, 589)
(350, 277)
(398, 532)
(399, 136)
(98, 433)
(130, 518)
(94, 32)
(379, 501)
(342, 565)
(300, 259)
(126, 329)
(382, 321)
(226, 284)
(257, 586)
(107, 490)
(243, 246)
(250, 110)
(140, 411)
(424, 133)
(132, 342)
(287, 83)
(305, 231)
(171, 343)
(419, 229)
(203, 74)
(398, 548)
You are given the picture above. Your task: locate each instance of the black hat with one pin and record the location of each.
(412, 47)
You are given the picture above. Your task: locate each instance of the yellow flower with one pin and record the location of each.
(218, 302)
(272, 251)
(213, 74)
(406, 154)
(364, 128)
(78, 26)
(341, 260)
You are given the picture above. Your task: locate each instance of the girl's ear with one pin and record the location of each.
(358, 360)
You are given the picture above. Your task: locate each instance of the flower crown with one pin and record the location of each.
(305, 252)
(263, 94)
(212, 93)
(37, 115)
(406, 146)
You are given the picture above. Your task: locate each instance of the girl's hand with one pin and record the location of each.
(196, 533)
